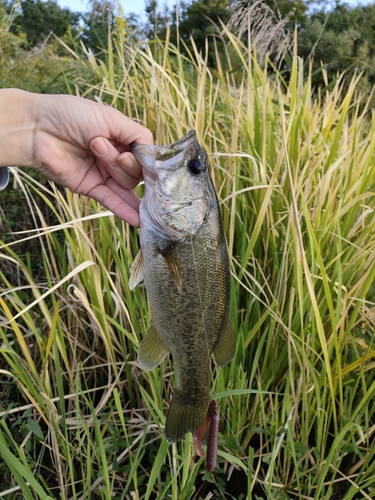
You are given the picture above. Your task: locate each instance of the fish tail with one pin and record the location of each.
(184, 415)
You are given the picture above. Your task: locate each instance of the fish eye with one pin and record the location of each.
(195, 166)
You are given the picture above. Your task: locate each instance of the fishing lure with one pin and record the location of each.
(212, 419)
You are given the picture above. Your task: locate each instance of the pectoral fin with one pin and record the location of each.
(225, 349)
(173, 265)
(136, 271)
(152, 350)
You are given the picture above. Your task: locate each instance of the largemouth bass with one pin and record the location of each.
(185, 267)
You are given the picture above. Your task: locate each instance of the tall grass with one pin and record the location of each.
(295, 174)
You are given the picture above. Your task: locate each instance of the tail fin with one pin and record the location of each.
(183, 416)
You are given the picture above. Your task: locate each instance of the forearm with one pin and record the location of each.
(17, 124)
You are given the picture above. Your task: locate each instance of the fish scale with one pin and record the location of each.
(185, 267)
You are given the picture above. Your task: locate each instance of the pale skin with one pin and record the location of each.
(75, 142)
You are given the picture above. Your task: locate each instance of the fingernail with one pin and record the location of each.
(99, 146)
(125, 160)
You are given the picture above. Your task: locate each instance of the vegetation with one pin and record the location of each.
(294, 170)
(37, 70)
(37, 18)
(334, 34)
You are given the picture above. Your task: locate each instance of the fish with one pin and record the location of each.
(183, 263)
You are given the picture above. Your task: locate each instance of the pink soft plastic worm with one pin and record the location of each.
(212, 438)
(212, 419)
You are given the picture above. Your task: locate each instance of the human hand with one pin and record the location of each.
(84, 146)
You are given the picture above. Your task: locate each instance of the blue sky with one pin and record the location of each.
(137, 6)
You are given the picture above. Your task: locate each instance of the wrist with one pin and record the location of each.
(17, 125)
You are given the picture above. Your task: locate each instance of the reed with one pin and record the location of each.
(294, 171)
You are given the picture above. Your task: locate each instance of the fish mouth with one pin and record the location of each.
(143, 152)
(163, 153)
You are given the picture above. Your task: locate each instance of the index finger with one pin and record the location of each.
(125, 130)
(145, 136)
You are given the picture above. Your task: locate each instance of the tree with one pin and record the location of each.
(157, 20)
(294, 10)
(200, 21)
(97, 23)
(37, 18)
(37, 69)
(343, 40)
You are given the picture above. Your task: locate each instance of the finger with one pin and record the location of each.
(144, 136)
(130, 164)
(116, 204)
(126, 130)
(107, 154)
(126, 195)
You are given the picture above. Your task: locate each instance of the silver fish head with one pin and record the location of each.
(178, 188)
